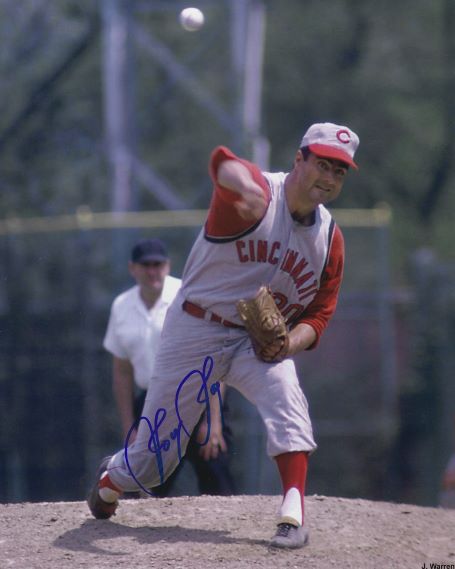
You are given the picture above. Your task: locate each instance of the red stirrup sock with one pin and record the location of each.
(293, 469)
(108, 491)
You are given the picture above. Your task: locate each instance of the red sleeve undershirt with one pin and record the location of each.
(322, 307)
(223, 219)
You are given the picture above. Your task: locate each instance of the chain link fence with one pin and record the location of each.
(58, 416)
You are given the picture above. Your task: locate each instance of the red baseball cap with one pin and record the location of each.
(330, 140)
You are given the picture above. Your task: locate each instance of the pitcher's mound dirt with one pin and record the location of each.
(224, 532)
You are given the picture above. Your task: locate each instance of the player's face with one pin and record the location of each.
(320, 179)
(150, 276)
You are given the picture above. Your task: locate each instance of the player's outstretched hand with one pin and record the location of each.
(251, 202)
(251, 205)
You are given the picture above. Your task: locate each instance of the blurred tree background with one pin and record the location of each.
(387, 69)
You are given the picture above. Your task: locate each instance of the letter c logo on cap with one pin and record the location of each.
(343, 136)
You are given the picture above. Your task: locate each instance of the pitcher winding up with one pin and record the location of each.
(265, 234)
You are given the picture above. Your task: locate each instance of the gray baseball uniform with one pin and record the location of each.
(262, 229)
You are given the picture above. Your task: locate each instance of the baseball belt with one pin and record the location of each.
(199, 312)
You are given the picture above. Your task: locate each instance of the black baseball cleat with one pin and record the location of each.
(289, 536)
(100, 509)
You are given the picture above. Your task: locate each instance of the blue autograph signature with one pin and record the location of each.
(158, 445)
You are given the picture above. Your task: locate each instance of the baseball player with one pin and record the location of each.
(132, 337)
(262, 228)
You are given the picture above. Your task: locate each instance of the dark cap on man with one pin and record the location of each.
(149, 251)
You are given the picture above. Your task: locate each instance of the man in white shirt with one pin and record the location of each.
(132, 337)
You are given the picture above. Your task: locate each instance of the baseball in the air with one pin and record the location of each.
(191, 19)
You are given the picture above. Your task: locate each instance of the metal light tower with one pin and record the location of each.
(247, 54)
(117, 72)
